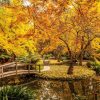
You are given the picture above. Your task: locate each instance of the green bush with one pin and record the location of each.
(95, 66)
(29, 59)
(35, 59)
(16, 93)
(88, 64)
(21, 59)
(47, 56)
(4, 57)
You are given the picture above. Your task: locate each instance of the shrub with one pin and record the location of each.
(29, 59)
(4, 58)
(16, 93)
(35, 59)
(95, 66)
(88, 64)
(47, 56)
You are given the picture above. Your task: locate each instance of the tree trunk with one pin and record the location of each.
(81, 53)
(81, 59)
(71, 67)
(83, 87)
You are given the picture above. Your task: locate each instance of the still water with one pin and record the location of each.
(64, 90)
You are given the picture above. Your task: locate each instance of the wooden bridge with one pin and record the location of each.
(16, 68)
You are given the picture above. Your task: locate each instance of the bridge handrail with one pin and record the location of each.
(7, 64)
(15, 65)
(12, 63)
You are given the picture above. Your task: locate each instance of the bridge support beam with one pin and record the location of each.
(2, 71)
(29, 69)
(16, 67)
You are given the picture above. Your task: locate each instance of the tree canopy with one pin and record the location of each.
(45, 25)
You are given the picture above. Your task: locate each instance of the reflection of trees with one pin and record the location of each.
(62, 90)
(36, 84)
(72, 88)
(76, 92)
(47, 92)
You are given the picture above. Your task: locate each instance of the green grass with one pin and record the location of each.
(60, 72)
(55, 62)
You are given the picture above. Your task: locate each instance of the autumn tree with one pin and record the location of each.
(15, 29)
(48, 24)
(75, 23)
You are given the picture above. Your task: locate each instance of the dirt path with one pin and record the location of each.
(46, 68)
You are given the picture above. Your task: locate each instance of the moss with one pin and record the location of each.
(60, 72)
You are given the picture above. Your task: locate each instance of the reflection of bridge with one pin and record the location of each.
(15, 68)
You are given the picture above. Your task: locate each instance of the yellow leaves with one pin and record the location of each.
(17, 26)
(96, 43)
(63, 17)
(3, 40)
(22, 29)
(14, 24)
(16, 2)
(22, 44)
(98, 7)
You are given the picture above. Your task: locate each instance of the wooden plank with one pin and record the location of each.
(12, 64)
(8, 64)
(16, 71)
(11, 73)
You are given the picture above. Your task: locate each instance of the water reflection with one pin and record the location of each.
(63, 90)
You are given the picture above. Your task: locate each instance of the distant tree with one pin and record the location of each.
(73, 24)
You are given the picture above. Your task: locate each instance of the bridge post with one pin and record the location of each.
(16, 67)
(2, 71)
(29, 69)
(39, 69)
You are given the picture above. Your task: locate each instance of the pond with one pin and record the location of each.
(63, 90)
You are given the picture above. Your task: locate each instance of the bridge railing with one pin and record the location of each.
(15, 68)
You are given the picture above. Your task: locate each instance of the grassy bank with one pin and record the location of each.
(60, 72)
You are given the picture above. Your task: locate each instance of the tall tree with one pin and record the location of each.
(15, 29)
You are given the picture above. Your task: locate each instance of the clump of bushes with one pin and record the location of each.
(35, 59)
(95, 66)
(32, 58)
(4, 58)
(16, 93)
(47, 56)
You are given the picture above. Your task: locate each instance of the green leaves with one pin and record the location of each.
(16, 93)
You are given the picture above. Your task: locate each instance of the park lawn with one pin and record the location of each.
(54, 61)
(60, 72)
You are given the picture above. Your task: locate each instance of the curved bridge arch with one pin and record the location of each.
(15, 68)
